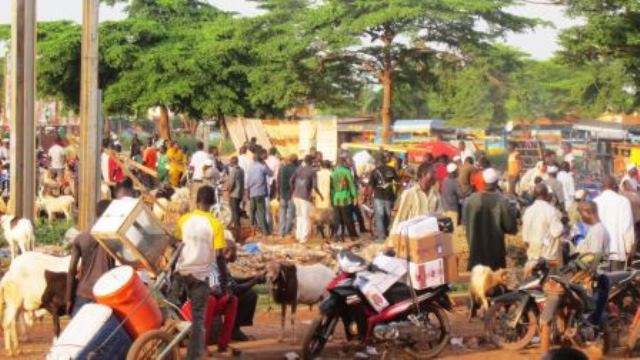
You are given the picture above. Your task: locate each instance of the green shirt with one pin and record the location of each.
(343, 189)
(163, 161)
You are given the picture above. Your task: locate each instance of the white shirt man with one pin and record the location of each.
(541, 230)
(56, 153)
(104, 167)
(197, 164)
(569, 186)
(617, 217)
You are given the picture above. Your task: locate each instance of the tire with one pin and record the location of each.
(150, 344)
(317, 336)
(517, 338)
(435, 316)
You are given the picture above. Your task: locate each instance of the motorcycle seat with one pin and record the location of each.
(616, 277)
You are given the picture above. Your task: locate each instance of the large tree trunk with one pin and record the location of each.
(164, 128)
(386, 112)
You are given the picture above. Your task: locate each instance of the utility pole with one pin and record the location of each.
(23, 92)
(89, 124)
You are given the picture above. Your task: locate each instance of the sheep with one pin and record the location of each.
(291, 284)
(22, 289)
(483, 281)
(19, 233)
(56, 205)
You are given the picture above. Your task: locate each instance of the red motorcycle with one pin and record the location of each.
(414, 322)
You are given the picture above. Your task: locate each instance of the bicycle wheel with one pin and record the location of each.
(151, 344)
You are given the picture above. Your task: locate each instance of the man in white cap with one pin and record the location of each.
(541, 229)
(555, 186)
(488, 217)
(572, 210)
(631, 176)
(452, 194)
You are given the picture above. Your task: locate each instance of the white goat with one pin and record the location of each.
(296, 284)
(19, 234)
(21, 291)
(483, 280)
(56, 205)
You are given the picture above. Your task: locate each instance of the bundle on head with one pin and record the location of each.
(483, 282)
(292, 284)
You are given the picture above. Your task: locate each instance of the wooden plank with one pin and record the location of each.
(89, 134)
(23, 92)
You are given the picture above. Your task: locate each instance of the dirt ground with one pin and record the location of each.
(266, 330)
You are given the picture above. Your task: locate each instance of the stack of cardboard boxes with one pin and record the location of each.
(432, 261)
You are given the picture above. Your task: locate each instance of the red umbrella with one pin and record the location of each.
(436, 148)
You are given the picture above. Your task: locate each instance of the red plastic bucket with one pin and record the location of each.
(123, 291)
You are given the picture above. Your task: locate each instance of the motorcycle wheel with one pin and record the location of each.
(317, 336)
(434, 317)
(505, 336)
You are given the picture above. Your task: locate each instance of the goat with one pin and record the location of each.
(483, 281)
(19, 233)
(22, 289)
(322, 218)
(291, 284)
(56, 205)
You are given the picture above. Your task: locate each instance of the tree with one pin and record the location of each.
(606, 44)
(378, 37)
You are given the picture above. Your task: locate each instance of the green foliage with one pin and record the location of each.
(607, 45)
(51, 234)
(58, 46)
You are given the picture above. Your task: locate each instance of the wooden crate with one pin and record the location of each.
(130, 233)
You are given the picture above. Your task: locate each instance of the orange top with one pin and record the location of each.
(477, 181)
(514, 166)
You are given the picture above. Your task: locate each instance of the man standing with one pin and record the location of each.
(617, 217)
(422, 199)
(514, 166)
(464, 152)
(202, 235)
(257, 184)
(631, 176)
(568, 184)
(383, 180)
(235, 187)
(567, 155)
(322, 205)
(541, 229)
(488, 218)
(57, 156)
(197, 163)
(150, 160)
(303, 182)
(556, 186)
(452, 194)
(273, 162)
(94, 261)
(287, 209)
(597, 239)
(344, 193)
(104, 161)
(464, 176)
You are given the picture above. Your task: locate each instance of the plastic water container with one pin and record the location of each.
(93, 333)
(123, 290)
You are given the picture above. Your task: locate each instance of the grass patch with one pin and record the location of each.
(51, 234)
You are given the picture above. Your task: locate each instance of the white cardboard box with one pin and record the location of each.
(428, 274)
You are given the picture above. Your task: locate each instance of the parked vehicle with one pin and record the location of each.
(623, 311)
(415, 323)
(512, 321)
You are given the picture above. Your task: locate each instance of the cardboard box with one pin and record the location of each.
(426, 248)
(373, 286)
(433, 273)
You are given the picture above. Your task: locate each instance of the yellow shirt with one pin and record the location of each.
(514, 164)
(217, 242)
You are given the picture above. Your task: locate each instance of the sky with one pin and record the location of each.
(541, 43)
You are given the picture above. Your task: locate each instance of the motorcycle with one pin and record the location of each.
(623, 311)
(414, 322)
(512, 320)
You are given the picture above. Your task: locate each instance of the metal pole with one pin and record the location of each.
(89, 145)
(23, 89)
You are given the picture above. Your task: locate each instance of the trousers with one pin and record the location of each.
(303, 219)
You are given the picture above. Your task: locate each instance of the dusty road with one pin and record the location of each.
(267, 329)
